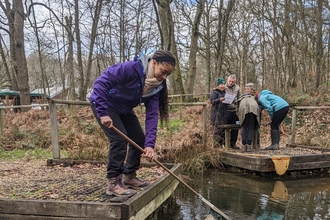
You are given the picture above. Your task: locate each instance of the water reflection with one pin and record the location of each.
(246, 197)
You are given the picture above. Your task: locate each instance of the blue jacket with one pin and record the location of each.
(272, 103)
(120, 87)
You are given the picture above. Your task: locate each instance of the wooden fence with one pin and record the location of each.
(294, 119)
(53, 118)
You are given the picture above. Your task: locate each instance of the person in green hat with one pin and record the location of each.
(219, 112)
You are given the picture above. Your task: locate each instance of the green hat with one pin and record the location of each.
(220, 81)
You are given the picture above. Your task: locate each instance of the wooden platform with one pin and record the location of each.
(139, 206)
(301, 158)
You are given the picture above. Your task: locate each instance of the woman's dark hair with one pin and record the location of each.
(163, 103)
(164, 56)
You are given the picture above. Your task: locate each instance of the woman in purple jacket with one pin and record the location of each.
(116, 92)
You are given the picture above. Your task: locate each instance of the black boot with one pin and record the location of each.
(275, 135)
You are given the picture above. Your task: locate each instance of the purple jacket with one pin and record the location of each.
(120, 87)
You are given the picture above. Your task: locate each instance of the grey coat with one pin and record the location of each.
(247, 104)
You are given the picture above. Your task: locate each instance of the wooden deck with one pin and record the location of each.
(300, 158)
(139, 206)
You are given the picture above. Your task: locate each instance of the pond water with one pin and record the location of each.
(242, 196)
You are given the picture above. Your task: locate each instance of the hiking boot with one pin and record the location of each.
(248, 147)
(243, 148)
(132, 181)
(117, 188)
(234, 147)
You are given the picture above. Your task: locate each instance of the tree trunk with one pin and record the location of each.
(167, 25)
(194, 49)
(69, 62)
(223, 19)
(96, 19)
(21, 71)
(79, 54)
(319, 45)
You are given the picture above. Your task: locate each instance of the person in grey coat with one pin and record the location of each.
(232, 87)
(249, 116)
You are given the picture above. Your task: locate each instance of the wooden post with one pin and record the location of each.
(70, 109)
(180, 108)
(293, 126)
(227, 138)
(54, 130)
(255, 141)
(2, 120)
(204, 124)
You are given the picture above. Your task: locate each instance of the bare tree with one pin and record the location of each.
(167, 26)
(319, 44)
(223, 19)
(194, 49)
(20, 78)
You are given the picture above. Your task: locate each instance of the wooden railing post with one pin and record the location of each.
(293, 126)
(2, 120)
(180, 107)
(54, 130)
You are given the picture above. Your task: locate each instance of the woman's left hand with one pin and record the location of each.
(149, 152)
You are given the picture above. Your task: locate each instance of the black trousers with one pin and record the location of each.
(278, 117)
(118, 149)
(232, 118)
(248, 128)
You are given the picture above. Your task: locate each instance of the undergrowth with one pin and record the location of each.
(182, 140)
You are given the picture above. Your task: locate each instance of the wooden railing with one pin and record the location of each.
(204, 96)
(54, 125)
(294, 119)
(53, 119)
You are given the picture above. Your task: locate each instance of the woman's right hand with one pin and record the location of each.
(222, 99)
(106, 121)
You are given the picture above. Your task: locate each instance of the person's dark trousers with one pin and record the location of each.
(232, 118)
(130, 126)
(278, 117)
(248, 128)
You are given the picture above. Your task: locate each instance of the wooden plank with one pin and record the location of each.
(32, 217)
(310, 158)
(60, 209)
(137, 202)
(144, 202)
(309, 165)
(240, 157)
(149, 208)
(262, 163)
(258, 163)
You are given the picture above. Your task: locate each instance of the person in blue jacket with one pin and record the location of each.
(116, 92)
(277, 109)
